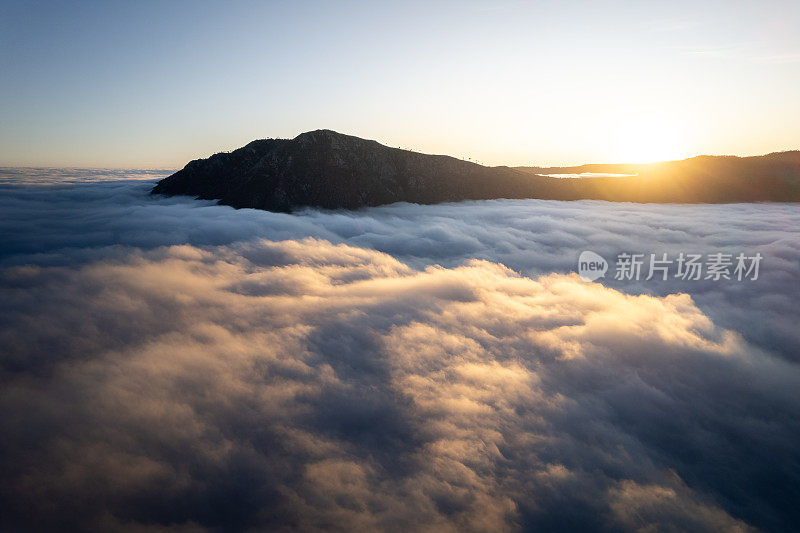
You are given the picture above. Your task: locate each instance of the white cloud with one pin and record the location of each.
(384, 369)
(343, 387)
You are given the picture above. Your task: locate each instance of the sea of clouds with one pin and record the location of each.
(168, 362)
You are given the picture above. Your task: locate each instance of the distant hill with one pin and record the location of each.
(326, 169)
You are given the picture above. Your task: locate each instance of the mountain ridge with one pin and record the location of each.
(327, 169)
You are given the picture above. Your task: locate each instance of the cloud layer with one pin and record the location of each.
(310, 380)
(59, 218)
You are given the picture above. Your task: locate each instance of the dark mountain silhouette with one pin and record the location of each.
(327, 169)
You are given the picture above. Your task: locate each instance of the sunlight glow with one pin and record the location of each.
(588, 175)
(649, 137)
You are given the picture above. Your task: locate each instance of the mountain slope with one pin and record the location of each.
(326, 169)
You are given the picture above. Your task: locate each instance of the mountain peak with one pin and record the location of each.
(321, 133)
(325, 168)
(332, 138)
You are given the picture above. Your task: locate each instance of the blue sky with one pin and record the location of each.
(154, 84)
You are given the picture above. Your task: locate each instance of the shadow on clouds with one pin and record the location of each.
(169, 362)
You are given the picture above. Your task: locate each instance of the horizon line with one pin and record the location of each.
(467, 159)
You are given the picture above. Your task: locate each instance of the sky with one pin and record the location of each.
(155, 84)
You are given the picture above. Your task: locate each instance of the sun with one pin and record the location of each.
(648, 138)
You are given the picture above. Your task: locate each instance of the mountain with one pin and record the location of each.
(327, 169)
(773, 177)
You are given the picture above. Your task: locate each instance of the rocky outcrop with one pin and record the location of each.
(327, 169)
